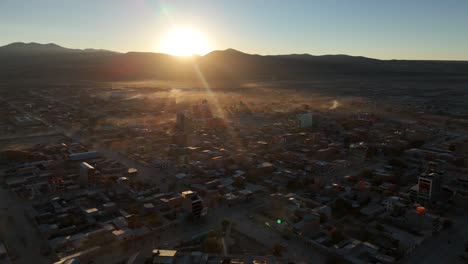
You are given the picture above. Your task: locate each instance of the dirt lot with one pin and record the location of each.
(29, 141)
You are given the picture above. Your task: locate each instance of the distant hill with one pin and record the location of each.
(34, 60)
(32, 49)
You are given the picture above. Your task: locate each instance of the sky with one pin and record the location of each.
(384, 29)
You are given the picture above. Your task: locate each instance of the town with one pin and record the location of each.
(153, 175)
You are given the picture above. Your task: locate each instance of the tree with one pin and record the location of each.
(335, 259)
(416, 143)
(277, 250)
(371, 152)
(252, 177)
(239, 184)
(336, 236)
(292, 185)
(225, 224)
(366, 173)
(211, 243)
(341, 207)
(172, 187)
(154, 220)
(397, 163)
(376, 180)
(459, 162)
(379, 227)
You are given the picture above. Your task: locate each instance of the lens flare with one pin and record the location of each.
(184, 42)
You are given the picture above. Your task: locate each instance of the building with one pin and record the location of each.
(461, 148)
(132, 172)
(429, 186)
(26, 121)
(308, 226)
(161, 256)
(3, 251)
(85, 172)
(304, 120)
(184, 123)
(395, 206)
(161, 164)
(180, 122)
(84, 156)
(180, 139)
(193, 204)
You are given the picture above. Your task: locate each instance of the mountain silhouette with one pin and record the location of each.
(34, 60)
(33, 48)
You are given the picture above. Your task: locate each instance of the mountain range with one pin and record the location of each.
(34, 60)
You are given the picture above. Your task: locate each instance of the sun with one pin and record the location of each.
(184, 42)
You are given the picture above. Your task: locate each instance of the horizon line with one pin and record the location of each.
(236, 50)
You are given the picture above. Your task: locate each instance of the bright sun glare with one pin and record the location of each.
(184, 42)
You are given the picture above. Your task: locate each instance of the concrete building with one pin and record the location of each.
(309, 225)
(84, 155)
(180, 122)
(395, 206)
(193, 204)
(429, 186)
(304, 120)
(460, 148)
(184, 123)
(85, 171)
(161, 256)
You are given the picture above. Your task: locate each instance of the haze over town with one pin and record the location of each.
(233, 132)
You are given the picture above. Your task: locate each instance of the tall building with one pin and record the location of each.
(85, 171)
(184, 123)
(180, 122)
(193, 204)
(304, 120)
(429, 186)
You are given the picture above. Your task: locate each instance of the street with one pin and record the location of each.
(18, 232)
(447, 245)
